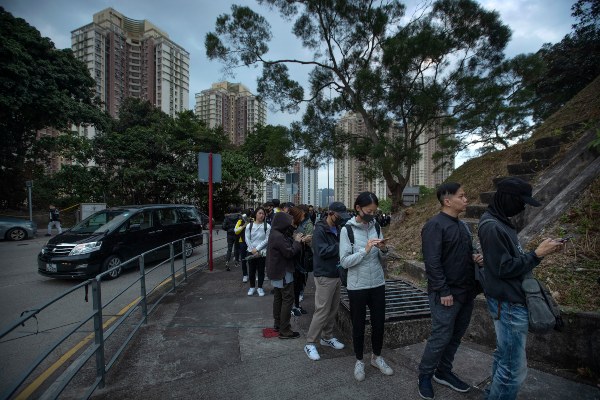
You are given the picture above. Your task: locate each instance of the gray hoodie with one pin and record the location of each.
(365, 270)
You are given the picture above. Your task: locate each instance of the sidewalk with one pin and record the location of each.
(206, 342)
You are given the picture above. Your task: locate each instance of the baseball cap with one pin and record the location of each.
(518, 186)
(339, 208)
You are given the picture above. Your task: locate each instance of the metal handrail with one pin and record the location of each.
(102, 332)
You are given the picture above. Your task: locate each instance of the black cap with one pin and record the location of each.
(340, 208)
(519, 187)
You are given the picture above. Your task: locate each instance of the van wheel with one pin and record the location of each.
(110, 262)
(189, 249)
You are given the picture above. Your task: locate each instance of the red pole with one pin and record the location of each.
(210, 211)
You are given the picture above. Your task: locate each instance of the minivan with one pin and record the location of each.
(110, 237)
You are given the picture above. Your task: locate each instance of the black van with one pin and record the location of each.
(109, 237)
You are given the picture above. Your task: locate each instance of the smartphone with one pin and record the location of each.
(386, 239)
(564, 238)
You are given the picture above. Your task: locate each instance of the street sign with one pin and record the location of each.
(28, 184)
(203, 167)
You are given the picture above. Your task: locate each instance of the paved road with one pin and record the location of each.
(22, 288)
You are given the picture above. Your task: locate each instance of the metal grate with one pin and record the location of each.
(403, 301)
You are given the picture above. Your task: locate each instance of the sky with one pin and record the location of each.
(533, 23)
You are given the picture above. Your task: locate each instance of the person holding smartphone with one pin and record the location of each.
(450, 266)
(366, 281)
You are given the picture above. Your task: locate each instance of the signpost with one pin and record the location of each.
(209, 170)
(29, 185)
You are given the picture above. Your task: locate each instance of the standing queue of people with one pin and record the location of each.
(296, 241)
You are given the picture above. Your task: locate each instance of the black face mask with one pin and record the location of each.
(366, 217)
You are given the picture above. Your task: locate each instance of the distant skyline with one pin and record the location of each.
(533, 23)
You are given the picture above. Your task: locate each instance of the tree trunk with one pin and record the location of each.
(396, 189)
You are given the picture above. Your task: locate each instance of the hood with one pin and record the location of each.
(281, 222)
(352, 221)
(76, 238)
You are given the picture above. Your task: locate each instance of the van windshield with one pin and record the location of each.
(101, 221)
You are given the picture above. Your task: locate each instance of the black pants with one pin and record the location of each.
(299, 283)
(254, 265)
(233, 244)
(374, 298)
(282, 306)
(243, 255)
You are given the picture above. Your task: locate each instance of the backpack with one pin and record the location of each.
(543, 311)
(344, 271)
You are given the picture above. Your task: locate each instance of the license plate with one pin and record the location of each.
(51, 267)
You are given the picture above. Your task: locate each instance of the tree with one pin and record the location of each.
(40, 87)
(571, 64)
(400, 80)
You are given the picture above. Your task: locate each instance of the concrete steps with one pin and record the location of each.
(475, 210)
(544, 153)
(528, 167)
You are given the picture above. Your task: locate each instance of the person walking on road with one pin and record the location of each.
(54, 220)
(505, 265)
(282, 248)
(450, 266)
(366, 280)
(326, 256)
(257, 236)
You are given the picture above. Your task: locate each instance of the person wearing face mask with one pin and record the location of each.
(366, 281)
(505, 264)
(326, 255)
(282, 249)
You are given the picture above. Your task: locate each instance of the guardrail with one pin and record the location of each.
(105, 324)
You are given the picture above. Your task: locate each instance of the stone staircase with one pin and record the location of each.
(579, 163)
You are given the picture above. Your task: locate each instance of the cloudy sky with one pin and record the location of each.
(533, 23)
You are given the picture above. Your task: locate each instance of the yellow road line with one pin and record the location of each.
(33, 386)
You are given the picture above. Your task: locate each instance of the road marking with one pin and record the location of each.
(33, 386)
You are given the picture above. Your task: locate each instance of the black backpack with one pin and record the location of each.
(344, 271)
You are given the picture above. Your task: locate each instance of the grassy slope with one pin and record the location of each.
(572, 275)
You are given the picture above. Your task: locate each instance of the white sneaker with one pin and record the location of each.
(379, 362)
(251, 291)
(311, 352)
(333, 342)
(245, 278)
(261, 292)
(359, 371)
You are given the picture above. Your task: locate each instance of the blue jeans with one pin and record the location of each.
(509, 367)
(448, 325)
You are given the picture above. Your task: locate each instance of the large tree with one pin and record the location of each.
(401, 80)
(571, 64)
(40, 87)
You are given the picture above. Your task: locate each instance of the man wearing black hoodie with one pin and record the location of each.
(505, 264)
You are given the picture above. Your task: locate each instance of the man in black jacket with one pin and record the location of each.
(450, 266)
(505, 264)
(326, 256)
(228, 226)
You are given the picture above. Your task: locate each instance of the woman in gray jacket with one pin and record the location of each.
(366, 281)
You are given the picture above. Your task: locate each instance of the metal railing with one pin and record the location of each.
(102, 329)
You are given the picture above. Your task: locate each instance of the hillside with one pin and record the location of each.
(574, 275)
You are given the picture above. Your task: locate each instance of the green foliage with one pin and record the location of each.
(595, 144)
(400, 80)
(40, 87)
(424, 191)
(571, 64)
(385, 205)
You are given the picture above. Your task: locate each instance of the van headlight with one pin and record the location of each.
(85, 248)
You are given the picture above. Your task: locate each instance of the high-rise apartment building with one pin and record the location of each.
(349, 181)
(232, 107)
(309, 184)
(133, 58)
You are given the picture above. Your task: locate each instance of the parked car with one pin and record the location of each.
(110, 237)
(17, 228)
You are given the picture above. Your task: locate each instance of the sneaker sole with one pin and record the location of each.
(446, 383)
(288, 337)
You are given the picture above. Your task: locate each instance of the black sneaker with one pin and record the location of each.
(303, 311)
(293, 335)
(296, 312)
(276, 328)
(47, 234)
(425, 387)
(451, 380)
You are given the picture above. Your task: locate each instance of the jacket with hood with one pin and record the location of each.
(505, 261)
(326, 250)
(365, 270)
(229, 224)
(282, 249)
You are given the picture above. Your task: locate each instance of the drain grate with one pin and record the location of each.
(403, 301)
